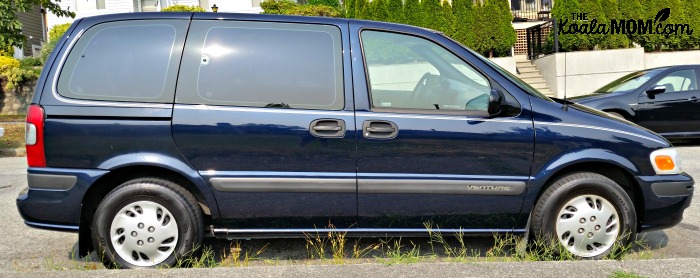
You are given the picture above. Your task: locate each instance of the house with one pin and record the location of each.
(83, 8)
(33, 30)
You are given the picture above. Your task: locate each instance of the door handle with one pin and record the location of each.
(327, 128)
(693, 99)
(379, 130)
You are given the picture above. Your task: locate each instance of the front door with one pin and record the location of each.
(261, 112)
(428, 154)
(673, 112)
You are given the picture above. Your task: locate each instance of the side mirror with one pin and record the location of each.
(496, 101)
(656, 90)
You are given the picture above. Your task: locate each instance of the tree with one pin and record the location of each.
(378, 10)
(612, 41)
(631, 9)
(561, 12)
(330, 3)
(432, 14)
(349, 8)
(396, 13)
(362, 9)
(494, 33)
(692, 11)
(183, 8)
(656, 41)
(448, 15)
(464, 21)
(594, 12)
(11, 28)
(413, 12)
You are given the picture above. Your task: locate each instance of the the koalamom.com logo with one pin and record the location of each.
(622, 26)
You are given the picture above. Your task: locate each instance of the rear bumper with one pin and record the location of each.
(54, 196)
(665, 199)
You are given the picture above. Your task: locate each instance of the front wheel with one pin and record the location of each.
(147, 223)
(589, 214)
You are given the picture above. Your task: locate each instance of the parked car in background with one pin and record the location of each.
(143, 141)
(663, 99)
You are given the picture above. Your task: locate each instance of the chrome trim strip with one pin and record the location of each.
(472, 187)
(222, 232)
(442, 176)
(439, 117)
(51, 182)
(284, 185)
(263, 109)
(266, 174)
(602, 129)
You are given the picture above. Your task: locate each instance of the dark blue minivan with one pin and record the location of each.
(148, 131)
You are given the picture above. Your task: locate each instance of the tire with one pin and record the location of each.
(145, 223)
(589, 214)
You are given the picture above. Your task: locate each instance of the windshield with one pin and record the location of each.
(628, 82)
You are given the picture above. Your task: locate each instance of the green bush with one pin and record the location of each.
(183, 8)
(692, 16)
(448, 15)
(493, 30)
(413, 12)
(594, 11)
(379, 10)
(31, 62)
(464, 22)
(57, 31)
(330, 3)
(396, 12)
(291, 8)
(13, 74)
(562, 11)
(432, 14)
(613, 41)
(362, 9)
(349, 8)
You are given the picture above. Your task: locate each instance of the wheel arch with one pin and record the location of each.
(118, 175)
(621, 175)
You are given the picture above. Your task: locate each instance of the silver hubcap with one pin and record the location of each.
(144, 233)
(588, 225)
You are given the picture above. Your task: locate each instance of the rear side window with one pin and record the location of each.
(260, 64)
(125, 61)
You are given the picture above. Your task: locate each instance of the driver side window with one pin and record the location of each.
(413, 73)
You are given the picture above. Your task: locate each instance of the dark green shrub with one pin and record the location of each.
(350, 8)
(464, 22)
(632, 9)
(362, 9)
(290, 8)
(277, 6)
(493, 31)
(448, 15)
(613, 41)
(396, 12)
(378, 10)
(413, 12)
(330, 3)
(692, 17)
(55, 34)
(562, 11)
(594, 12)
(183, 8)
(432, 14)
(31, 62)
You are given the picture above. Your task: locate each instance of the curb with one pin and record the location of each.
(13, 152)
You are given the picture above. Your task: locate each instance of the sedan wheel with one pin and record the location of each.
(589, 214)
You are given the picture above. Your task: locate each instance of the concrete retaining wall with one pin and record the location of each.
(15, 102)
(580, 73)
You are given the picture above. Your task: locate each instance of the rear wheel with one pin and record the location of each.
(589, 215)
(146, 223)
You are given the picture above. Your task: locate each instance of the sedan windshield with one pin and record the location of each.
(628, 82)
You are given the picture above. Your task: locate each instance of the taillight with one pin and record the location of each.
(34, 136)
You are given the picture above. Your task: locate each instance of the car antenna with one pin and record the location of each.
(566, 102)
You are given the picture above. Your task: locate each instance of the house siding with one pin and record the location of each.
(31, 29)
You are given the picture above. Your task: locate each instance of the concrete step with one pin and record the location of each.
(525, 66)
(536, 79)
(524, 75)
(526, 70)
(520, 58)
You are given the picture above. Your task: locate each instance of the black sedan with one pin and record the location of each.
(663, 99)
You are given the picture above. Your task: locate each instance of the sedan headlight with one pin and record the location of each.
(666, 161)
